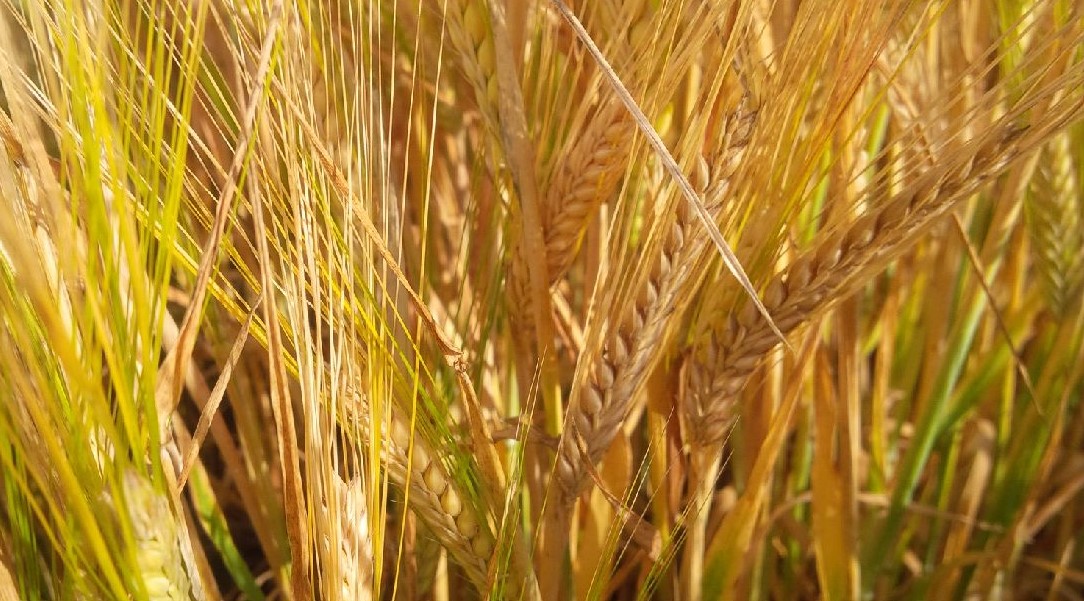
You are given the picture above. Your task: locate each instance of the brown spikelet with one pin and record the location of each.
(1054, 214)
(830, 271)
(632, 345)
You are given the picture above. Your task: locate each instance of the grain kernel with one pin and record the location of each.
(651, 293)
(775, 294)
(696, 376)
(605, 153)
(637, 318)
(788, 320)
(482, 546)
(621, 348)
(605, 375)
(749, 314)
(732, 335)
(892, 215)
(731, 387)
(421, 458)
(475, 23)
(799, 273)
(746, 364)
(435, 479)
(400, 433)
(702, 175)
(565, 472)
(451, 503)
(467, 524)
(591, 400)
(861, 233)
(581, 195)
(708, 352)
(810, 300)
(619, 127)
(677, 234)
(583, 424)
(595, 171)
(664, 264)
(828, 255)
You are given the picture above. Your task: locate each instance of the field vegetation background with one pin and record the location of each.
(457, 299)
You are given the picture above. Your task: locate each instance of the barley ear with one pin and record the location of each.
(702, 213)
(355, 551)
(830, 271)
(165, 566)
(470, 34)
(586, 176)
(435, 495)
(1055, 211)
(633, 343)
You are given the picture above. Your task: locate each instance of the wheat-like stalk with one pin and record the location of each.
(589, 168)
(1054, 210)
(162, 563)
(632, 345)
(587, 175)
(435, 495)
(355, 551)
(717, 372)
(633, 342)
(469, 33)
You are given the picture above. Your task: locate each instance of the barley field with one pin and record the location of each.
(449, 300)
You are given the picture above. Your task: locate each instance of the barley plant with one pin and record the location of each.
(611, 299)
